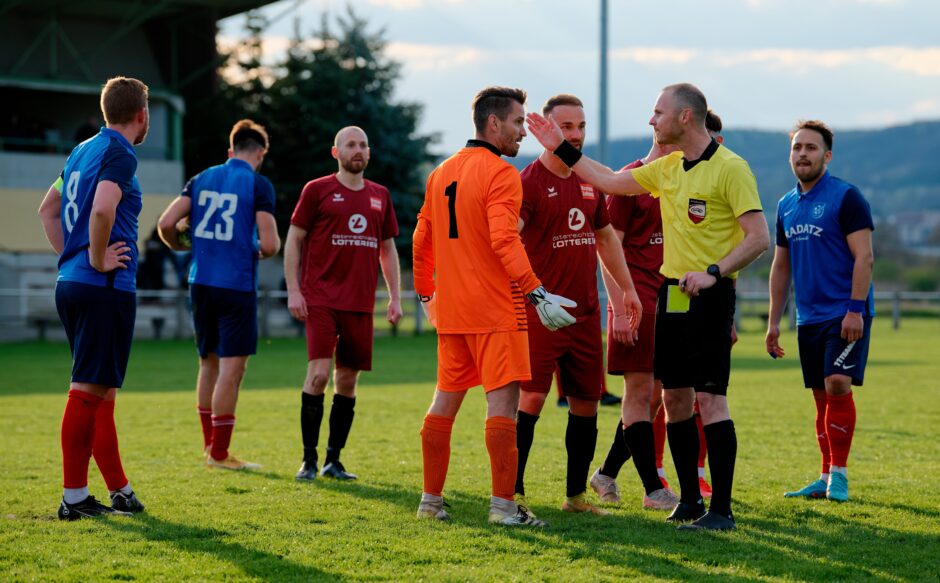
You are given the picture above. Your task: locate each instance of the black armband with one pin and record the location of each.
(568, 153)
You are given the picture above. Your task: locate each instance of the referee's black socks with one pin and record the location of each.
(683, 443)
(722, 445)
(525, 433)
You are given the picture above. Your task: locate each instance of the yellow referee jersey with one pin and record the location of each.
(700, 201)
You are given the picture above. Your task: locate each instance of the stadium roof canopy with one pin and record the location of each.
(73, 46)
(132, 11)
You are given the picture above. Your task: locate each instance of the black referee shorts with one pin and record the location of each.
(693, 348)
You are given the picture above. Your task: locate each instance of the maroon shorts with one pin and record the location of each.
(637, 358)
(576, 350)
(348, 333)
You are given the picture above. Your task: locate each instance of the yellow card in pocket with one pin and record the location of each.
(676, 301)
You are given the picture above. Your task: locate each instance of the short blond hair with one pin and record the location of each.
(122, 98)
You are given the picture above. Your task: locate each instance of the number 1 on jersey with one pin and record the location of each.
(451, 193)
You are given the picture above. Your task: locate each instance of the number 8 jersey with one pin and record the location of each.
(107, 156)
(222, 223)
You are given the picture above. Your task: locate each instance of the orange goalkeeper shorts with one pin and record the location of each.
(493, 359)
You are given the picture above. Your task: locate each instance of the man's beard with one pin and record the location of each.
(354, 166)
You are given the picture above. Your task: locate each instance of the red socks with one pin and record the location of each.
(821, 401)
(504, 456)
(222, 426)
(659, 435)
(105, 448)
(77, 435)
(435, 451)
(840, 427)
(205, 419)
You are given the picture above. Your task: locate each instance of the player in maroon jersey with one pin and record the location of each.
(342, 227)
(565, 227)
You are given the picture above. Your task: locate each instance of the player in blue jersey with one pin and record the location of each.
(92, 226)
(228, 211)
(824, 228)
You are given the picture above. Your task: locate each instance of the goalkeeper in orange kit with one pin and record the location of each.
(472, 274)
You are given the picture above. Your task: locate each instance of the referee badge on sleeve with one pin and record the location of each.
(696, 210)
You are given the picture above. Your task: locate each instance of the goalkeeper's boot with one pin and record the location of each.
(126, 502)
(521, 502)
(336, 470)
(433, 507)
(87, 508)
(815, 489)
(578, 504)
(231, 463)
(606, 487)
(508, 513)
(838, 489)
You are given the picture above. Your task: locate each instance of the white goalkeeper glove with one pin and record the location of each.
(551, 308)
(429, 305)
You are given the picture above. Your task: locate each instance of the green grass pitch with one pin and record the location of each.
(210, 525)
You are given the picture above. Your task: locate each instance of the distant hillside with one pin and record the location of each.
(894, 167)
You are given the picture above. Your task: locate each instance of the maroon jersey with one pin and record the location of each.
(561, 216)
(339, 264)
(642, 225)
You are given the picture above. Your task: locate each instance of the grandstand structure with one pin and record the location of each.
(54, 57)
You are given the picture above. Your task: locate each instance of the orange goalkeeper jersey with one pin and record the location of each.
(466, 244)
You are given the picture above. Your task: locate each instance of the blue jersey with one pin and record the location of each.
(107, 156)
(225, 199)
(813, 226)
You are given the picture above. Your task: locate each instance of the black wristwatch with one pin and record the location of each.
(713, 271)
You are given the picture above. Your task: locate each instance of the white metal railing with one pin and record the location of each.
(168, 310)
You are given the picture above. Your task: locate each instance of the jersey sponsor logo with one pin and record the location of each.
(357, 223)
(574, 240)
(339, 240)
(552, 192)
(803, 232)
(787, 214)
(656, 239)
(818, 210)
(376, 203)
(587, 191)
(576, 219)
(338, 197)
(696, 210)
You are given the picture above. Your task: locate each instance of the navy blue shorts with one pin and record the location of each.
(823, 352)
(693, 348)
(99, 323)
(225, 320)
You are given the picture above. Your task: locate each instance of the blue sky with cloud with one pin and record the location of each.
(761, 63)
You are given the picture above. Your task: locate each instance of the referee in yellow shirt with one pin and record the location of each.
(713, 226)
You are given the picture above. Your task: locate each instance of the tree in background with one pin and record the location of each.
(324, 82)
